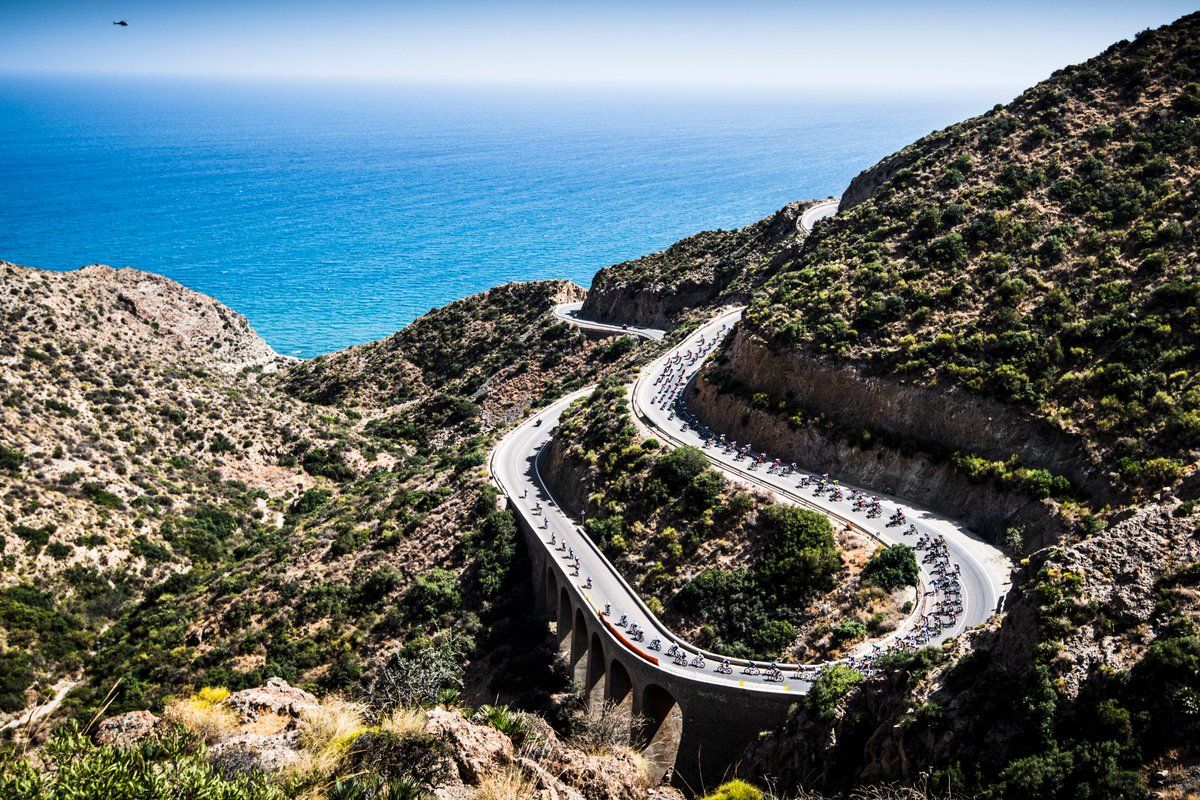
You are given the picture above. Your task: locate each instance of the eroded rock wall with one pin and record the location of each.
(646, 307)
(913, 476)
(709, 267)
(867, 182)
(950, 419)
(564, 476)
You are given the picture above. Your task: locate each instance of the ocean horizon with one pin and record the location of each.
(335, 214)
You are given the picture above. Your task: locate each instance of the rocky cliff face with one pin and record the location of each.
(953, 418)
(566, 477)
(707, 268)
(929, 422)
(934, 483)
(867, 182)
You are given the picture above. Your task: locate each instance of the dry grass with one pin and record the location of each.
(202, 716)
(404, 721)
(327, 732)
(642, 763)
(603, 728)
(510, 783)
(921, 790)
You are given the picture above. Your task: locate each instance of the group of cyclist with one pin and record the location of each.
(947, 603)
(676, 372)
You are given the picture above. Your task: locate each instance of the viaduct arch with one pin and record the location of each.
(694, 734)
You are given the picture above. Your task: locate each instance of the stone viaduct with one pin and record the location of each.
(693, 731)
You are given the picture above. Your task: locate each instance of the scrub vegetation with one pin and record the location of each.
(1043, 254)
(736, 572)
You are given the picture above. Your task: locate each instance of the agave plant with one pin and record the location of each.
(503, 719)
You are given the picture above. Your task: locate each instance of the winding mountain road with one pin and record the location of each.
(569, 312)
(818, 211)
(969, 578)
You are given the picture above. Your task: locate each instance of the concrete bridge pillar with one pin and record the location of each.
(594, 685)
(564, 624)
(662, 721)
(549, 591)
(618, 686)
(578, 661)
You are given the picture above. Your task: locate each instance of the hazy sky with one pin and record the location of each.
(788, 45)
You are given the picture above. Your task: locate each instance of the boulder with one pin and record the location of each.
(125, 729)
(607, 777)
(547, 786)
(477, 750)
(249, 753)
(277, 696)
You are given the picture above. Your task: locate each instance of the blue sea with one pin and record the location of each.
(335, 214)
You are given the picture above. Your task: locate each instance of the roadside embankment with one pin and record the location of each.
(885, 434)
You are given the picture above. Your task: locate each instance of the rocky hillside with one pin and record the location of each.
(1004, 320)
(278, 741)
(137, 443)
(704, 269)
(179, 512)
(1036, 264)
(498, 350)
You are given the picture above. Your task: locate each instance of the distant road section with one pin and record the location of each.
(823, 209)
(569, 312)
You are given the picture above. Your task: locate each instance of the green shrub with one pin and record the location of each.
(34, 538)
(832, 684)
(736, 789)
(502, 718)
(494, 545)
(326, 463)
(95, 491)
(310, 501)
(799, 557)
(168, 766)
(678, 468)
(151, 551)
(848, 631)
(204, 534)
(11, 459)
(221, 444)
(347, 541)
(371, 591)
(891, 567)
(432, 594)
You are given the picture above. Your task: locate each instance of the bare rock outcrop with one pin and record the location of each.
(1118, 571)
(954, 418)
(249, 753)
(277, 696)
(866, 183)
(125, 729)
(159, 314)
(477, 750)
